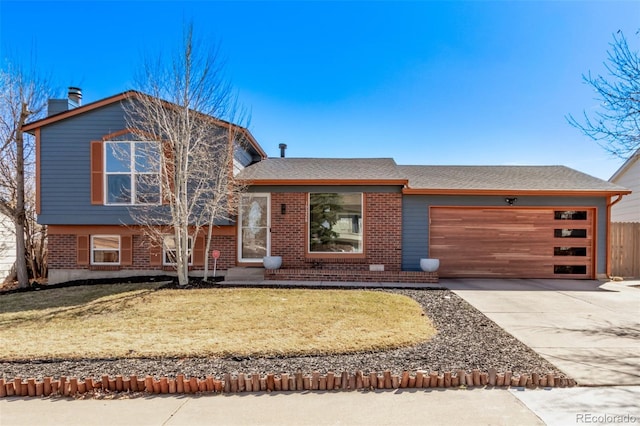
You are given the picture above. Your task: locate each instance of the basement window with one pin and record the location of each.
(169, 254)
(105, 249)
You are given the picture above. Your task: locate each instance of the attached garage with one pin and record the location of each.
(513, 242)
(507, 221)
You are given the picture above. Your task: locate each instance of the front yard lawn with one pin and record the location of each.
(141, 320)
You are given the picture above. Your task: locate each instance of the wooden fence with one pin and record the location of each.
(625, 249)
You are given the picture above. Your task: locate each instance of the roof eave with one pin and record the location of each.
(522, 192)
(29, 127)
(328, 182)
(625, 166)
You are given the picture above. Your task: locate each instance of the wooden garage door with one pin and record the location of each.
(513, 242)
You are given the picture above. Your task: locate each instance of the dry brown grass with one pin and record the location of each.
(135, 320)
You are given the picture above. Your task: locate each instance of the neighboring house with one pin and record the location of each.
(330, 219)
(7, 246)
(628, 176)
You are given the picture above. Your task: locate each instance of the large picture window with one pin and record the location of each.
(335, 223)
(105, 249)
(169, 254)
(132, 172)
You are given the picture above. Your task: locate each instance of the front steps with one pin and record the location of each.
(245, 274)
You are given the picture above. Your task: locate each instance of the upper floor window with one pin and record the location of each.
(335, 223)
(132, 172)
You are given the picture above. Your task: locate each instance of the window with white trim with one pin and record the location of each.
(335, 223)
(169, 254)
(105, 249)
(132, 172)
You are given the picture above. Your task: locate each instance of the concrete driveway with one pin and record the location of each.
(588, 329)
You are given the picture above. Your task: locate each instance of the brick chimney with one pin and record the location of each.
(74, 100)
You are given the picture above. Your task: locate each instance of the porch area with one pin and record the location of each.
(314, 276)
(332, 275)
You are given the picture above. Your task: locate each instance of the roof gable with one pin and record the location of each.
(626, 166)
(31, 127)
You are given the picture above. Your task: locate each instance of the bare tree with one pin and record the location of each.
(616, 123)
(181, 105)
(23, 97)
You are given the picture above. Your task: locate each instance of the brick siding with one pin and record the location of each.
(63, 254)
(324, 274)
(382, 234)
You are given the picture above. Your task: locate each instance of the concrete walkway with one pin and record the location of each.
(559, 406)
(448, 407)
(575, 406)
(588, 329)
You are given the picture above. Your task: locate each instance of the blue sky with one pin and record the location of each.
(423, 82)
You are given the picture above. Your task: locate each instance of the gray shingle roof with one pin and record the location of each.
(313, 169)
(280, 171)
(503, 178)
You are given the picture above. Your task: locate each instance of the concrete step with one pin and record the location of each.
(244, 274)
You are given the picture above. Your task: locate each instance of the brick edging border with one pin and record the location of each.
(242, 382)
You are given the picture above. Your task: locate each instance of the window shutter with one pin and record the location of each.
(82, 250)
(198, 251)
(155, 254)
(97, 173)
(126, 250)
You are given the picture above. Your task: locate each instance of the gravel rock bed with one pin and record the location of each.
(466, 339)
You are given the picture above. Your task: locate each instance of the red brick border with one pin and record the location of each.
(244, 382)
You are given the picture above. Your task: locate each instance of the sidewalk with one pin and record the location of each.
(447, 407)
(558, 406)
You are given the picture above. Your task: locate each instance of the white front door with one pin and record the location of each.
(253, 229)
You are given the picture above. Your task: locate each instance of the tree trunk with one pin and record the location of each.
(182, 249)
(207, 251)
(21, 259)
(29, 248)
(42, 254)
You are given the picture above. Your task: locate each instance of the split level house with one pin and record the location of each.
(352, 219)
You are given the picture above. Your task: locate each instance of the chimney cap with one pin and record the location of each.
(74, 95)
(283, 147)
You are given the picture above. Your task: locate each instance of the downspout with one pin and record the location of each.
(610, 204)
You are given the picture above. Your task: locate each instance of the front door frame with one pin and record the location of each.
(242, 260)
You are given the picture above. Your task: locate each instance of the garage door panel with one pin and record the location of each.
(510, 242)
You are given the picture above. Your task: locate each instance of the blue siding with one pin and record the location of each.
(65, 168)
(415, 220)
